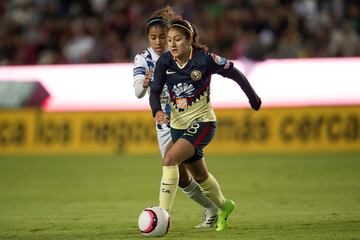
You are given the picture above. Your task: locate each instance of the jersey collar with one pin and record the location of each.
(190, 57)
(153, 52)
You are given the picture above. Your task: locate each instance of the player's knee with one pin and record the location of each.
(169, 160)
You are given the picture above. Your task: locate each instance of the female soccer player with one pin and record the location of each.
(186, 70)
(144, 64)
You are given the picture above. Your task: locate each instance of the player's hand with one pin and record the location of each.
(256, 105)
(148, 77)
(161, 117)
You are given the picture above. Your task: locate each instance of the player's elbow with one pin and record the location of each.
(139, 95)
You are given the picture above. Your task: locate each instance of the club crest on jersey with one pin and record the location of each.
(195, 75)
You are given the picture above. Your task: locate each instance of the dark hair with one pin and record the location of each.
(190, 31)
(162, 17)
(157, 21)
(167, 13)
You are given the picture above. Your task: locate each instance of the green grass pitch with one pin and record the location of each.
(278, 196)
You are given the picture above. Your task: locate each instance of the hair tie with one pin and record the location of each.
(155, 20)
(187, 28)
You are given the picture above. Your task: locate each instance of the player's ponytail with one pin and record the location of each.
(162, 17)
(196, 40)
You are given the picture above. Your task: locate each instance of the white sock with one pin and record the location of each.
(194, 192)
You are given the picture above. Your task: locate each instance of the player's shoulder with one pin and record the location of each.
(146, 53)
(141, 58)
(205, 55)
(213, 58)
(218, 59)
(143, 54)
(200, 56)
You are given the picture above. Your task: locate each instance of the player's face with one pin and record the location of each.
(157, 39)
(179, 45)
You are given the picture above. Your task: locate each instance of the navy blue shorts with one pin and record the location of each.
(199, 134)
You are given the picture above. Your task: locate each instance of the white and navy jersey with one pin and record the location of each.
(189, 86)
(143, 63)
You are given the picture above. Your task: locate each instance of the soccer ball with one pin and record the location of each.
(154, 222)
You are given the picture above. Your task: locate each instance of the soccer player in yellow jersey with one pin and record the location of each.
(144, 64)
(186, 70)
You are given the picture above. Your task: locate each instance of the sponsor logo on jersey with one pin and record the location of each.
(183, 90)
(139, 71)
(196, 75)
(181, 103)
(227, 65)
(219, 60)
(170, 72)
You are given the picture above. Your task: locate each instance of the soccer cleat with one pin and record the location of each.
(223, 215)
(210, 218)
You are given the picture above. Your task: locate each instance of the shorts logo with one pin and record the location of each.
(196, 75)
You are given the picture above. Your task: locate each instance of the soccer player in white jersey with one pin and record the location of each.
(144, 65)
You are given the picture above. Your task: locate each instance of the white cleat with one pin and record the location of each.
(210, 219)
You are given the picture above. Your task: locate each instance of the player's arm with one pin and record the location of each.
(141, 76)
(242, 81)
(226, 69)
(156, 89)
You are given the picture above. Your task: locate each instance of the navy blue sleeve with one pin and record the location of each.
(225, 68)
(157, 86)
(242, 81)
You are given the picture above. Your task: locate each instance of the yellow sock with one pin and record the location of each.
(211, 189)
(169, 184)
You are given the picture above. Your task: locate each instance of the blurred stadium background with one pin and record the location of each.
(98, 31)
(78, 151)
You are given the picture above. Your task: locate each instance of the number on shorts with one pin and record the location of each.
(193, 128)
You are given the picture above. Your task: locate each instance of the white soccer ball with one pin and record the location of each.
(154, 222)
